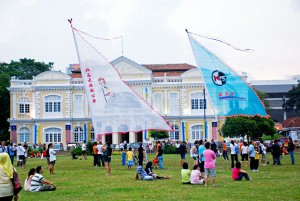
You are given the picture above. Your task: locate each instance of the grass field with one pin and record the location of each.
(79, 180)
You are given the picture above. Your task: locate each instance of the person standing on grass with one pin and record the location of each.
(276, 152)
(244, 151)
(233, 152)
(182, 151)
(159, 155)
(100, 154)
(130, 156)
(52, 158)
(263, 153)
(141, 152)
(238, 173)
(107, 158)
(83, 148)
(209, 165)
(201, 150)
(20, 155)
(225, 154)
(95, 154)
(290, 149)
(195, 152)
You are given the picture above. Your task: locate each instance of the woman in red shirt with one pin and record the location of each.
(238, 173)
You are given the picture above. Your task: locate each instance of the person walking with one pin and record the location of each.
(95, 154)
(83, 148)
(290, 149)
(244, 151)
(251, 152)
(225, 154)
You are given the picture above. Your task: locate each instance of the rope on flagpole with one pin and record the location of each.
(221, 41)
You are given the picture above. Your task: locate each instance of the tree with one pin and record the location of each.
(156, 134)
(22, 69)
(253, 127)
(293, 103)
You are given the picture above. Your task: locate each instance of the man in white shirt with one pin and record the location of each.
(20, 155)
(83, 148)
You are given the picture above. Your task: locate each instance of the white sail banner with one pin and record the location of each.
(114, 106)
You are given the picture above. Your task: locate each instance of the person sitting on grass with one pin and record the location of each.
(238, 173)
(39, 183)
(140, 172)
(148, 170)
(27, 182)
(185, 174)
(196, 175)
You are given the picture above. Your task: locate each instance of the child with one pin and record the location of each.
(185, 173)
(238, 173)
(130, 155)
(196, 175)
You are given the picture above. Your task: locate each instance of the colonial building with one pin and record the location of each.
(52, 107)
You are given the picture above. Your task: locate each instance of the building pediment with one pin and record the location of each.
(126, 66)
(52, 75)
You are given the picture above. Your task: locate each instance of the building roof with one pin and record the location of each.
(158, 70)
(274, 86)
(291, 122)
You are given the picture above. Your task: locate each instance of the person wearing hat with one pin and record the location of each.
(290, 149)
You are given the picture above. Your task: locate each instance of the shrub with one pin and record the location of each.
(169, 149)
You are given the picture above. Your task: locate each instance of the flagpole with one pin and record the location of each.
(75, 41)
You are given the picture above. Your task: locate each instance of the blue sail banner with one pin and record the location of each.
(229, 93)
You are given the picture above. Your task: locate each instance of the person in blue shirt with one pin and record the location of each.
(11, 153)
(201, 149)
(252, 156)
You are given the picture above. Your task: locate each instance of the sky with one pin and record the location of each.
(154, 32)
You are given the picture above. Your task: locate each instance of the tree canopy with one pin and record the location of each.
(22, 69)
(156, 134)
(253, 127)
(293, 103)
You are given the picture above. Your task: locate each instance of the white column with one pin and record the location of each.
(132, 137)
(115, 138)
(165, 106)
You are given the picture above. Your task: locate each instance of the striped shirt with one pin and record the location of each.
(36, 182)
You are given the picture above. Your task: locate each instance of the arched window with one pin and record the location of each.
(174, 135)
(52, 104)
(157, 102)
(24, 135)
(24, 105)
(92, 134)
(197, 132)
(174, 103)
(78, 134)
(52, 135)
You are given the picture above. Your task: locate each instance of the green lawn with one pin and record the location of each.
(79, 180)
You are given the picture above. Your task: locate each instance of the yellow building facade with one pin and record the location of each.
(53, 108)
